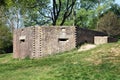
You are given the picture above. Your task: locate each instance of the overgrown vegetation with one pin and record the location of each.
(110, 24)
(5, 39)
(101, 63)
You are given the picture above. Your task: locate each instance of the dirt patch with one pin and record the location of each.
(86, 47)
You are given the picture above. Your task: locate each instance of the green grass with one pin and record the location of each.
(101, 63)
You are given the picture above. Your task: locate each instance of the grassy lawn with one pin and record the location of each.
(101, 63)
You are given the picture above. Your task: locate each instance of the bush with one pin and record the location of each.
(109, 24)
(5, 39)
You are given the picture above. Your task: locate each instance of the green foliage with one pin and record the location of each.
(5, 39)
(115, 8)
(90, 11)
(88, 65)
(85, 19)
(109, 24)
(36, 11)
(20, 13)
(83, 13)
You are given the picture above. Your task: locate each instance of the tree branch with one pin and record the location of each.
(68, 11)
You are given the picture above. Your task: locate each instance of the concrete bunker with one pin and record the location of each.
(35, 42)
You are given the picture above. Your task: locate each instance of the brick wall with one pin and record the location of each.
(22, 42)
(35, 42)
(58, 39)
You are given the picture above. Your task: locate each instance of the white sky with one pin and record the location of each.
(117, 1)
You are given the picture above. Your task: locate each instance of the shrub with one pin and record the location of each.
(5, 39)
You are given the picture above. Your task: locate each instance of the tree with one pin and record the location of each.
(89, 12)
(8, 14)
(115, 8)
(61, 10)
(85, 19)
(5, 39)
(36, 13)
(109, 24)
(20, 13)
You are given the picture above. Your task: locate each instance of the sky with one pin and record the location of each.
(117, 1)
